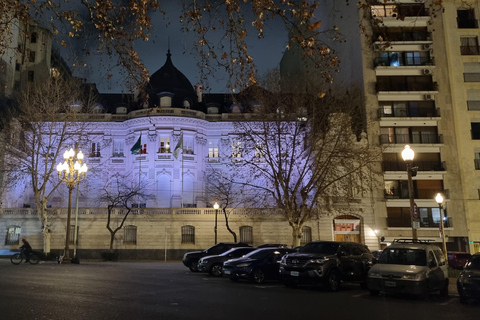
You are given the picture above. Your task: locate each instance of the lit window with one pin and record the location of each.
(164, 145)
(118, 148)
(13, 235)
(236, 149)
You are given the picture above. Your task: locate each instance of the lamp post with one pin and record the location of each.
(439, 199)
(71, 173)
(216, 206)
(408, 155)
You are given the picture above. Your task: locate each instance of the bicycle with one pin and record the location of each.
(18, 257)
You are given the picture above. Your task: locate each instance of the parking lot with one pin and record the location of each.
(159, 290)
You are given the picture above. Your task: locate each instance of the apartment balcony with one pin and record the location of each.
(422, 138)
(418, 112)
(422, 166)
(401, 60)
(402, 36)
(406, 86)
(405, 222)
(402, 193)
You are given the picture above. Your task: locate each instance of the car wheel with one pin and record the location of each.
(374, 293)
(258, 276)
(333, 281)
(216, 270)
(444, 289)
(193, 266)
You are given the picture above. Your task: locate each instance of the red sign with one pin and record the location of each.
(415, 211)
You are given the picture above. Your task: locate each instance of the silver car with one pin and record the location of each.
(411, 267)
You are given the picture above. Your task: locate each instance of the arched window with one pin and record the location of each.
(306, 235)
(246, 234)
(130, 235)
(188, 234)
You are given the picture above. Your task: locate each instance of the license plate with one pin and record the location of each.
(294, 273)
(226, 271)
(390, 284)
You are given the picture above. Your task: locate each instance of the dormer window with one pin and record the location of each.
(186, 104)
(166, 100)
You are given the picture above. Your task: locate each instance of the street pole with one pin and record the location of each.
(408, 155)
(216, 206)
(66, 257)
(439, 199)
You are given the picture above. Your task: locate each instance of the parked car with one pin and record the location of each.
(411, 267)
(468, 282)
(257, 266)
(457, 260)
(190, 259)
(213, 264)
(276, 245)
(328, 263)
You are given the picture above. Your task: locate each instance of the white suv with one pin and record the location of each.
(411, 267)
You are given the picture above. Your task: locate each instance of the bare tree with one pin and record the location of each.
(37, 130)
(300, 151)
(119, 194)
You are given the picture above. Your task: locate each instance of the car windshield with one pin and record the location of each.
(226, 253)
(403, 256)
(258, 254)
(473, 264)
(320, 247)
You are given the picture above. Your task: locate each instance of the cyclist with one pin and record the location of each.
(26, 250)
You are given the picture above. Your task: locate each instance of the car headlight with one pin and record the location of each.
(242, 265)
(412, 276)
(374, 274)
(317, 261)
(203, 261)
(463, 279)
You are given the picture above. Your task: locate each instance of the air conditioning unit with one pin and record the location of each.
(427, 46)
(427, 72)
(429, 97)
(377, 47)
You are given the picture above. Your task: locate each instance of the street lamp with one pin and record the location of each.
(71, 173)
(439, 199)
(408, 155)
(216, 206)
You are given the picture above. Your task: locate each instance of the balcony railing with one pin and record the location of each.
(405, 222)
(403, 36)
(418, 193)
(406, 87)
(402, 61)
(422, 138)
(408, 112)
(422, 165)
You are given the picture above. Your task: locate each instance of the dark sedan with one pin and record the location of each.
(213, 264)
(468, 282)
(257, 266)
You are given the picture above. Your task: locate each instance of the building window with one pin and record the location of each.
(31, 56)
(246, 234)
(469, 46)
(17, 66)
(13, 235)
(213, 149)
(130, 235)
(33, 37)
(95, 150)
(118, 148)
(259, 150)
(306, 235)
(188, 234)
(188, 145)
(72, 234)
(236, 149)
(466, 19)
(475, 130)
(31, 76)
(164, 145)
(477, 160)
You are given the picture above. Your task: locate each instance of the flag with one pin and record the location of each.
(178, 147)
(137, 147)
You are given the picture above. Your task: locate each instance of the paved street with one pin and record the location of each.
(159, 290)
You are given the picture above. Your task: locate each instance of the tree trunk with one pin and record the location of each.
(112, 239)
(228, 226)
(296, 235)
